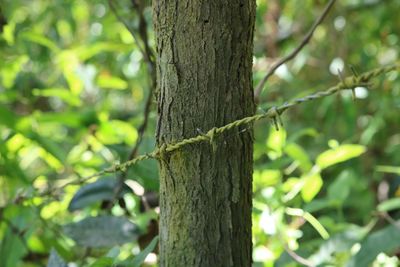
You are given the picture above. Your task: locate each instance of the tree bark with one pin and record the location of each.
(204, 80)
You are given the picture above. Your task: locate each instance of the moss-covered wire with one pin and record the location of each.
(273, 113)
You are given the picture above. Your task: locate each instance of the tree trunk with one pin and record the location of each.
(204, 76)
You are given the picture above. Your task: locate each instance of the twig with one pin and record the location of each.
(298, 258)
(148, 56)
(3, 21)
(290, 56)
(114, 10)
(142, 128)
(386, 216)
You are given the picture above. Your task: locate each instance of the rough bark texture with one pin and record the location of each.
(204, 74)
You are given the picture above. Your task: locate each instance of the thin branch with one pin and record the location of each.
(298, 258)
(142, 128)
(290, 56)
(148, 56)
(3, 21)
(386, 216)
(114, 10)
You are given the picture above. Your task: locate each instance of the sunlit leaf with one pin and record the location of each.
(266, 178)
(341, 153)
(312, 185)
(69, 63)
(275, 142)
(309, 218)
(89, 50)
(10, 69)
(50, 210)
(298, 154)
(388, 169)
(111, 82)
(8, 33)
(102, 231)
(40, 39)
(103, 262)
(390, 204)
(49, 145)
(114, 132)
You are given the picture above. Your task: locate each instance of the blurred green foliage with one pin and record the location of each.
(73, 88)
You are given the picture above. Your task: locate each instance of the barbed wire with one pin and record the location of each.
(273, 113)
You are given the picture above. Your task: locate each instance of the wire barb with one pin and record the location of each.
(212, 134)
(276, 118)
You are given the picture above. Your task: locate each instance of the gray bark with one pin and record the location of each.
(204, 76)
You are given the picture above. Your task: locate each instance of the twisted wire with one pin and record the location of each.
(272, 113)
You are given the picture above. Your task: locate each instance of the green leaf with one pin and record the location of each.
(275, 142)
(298, 154)
(116, 132)
(11, 249)
(69, 63)
(55, 260)
(102, 231)
(103, 262)
(312, 185)
(339, 190)
(8, 33)
(7, 117)
(318, 204)
(87, 51)
(50, 146)
(388, 169)
(61, 93)
(10, 69)
(40, 39)
(385, 240)
(309, 218)
(111, 82)
(102, 189)
(390, 204)
(139, 259)
(341, 153)
(65, 118)
(266, 178)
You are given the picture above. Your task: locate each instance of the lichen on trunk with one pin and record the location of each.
(204, 80)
